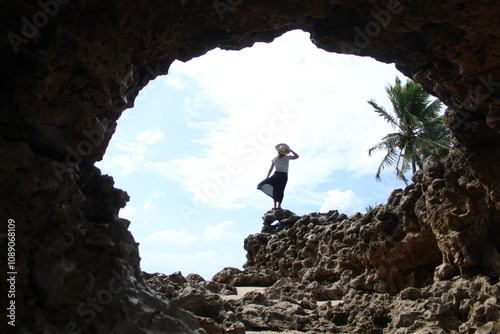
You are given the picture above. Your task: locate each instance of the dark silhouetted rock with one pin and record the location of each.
(69, 70)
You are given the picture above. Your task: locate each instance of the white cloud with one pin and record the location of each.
(128, 212)
(157, 195)
(344, 201)
(226, 112)
(131, 155)
(229, 110)
(220, 231)
(173, 81)
(131, 212)
(247, 101)
(151, 136)
(174, 237)
(287, 91)
(148, 207)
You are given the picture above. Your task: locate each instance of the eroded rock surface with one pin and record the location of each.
(386, 266)
(459, 305)
(390, 248)
(69, 69)
(201, 298)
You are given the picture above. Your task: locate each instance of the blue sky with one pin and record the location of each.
(198, 140)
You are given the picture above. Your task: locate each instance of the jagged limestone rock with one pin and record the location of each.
(69, 69)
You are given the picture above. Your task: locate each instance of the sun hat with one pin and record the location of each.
(283, 148)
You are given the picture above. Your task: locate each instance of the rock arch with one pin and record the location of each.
(70, 68)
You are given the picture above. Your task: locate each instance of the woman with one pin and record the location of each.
(274, 186)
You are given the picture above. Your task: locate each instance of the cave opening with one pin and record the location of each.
(73, 68)
(198, 140)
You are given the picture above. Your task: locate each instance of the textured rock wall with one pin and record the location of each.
(70, 67)
(386, 250)
(460, 305)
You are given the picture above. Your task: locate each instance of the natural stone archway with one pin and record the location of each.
(70, 68)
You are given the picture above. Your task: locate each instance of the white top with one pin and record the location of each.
(281, 164)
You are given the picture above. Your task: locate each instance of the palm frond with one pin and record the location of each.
(387, 143)
(421, 131)
(382, 112)
(387, 161)
(432, 143)
(432, 109)
(401, 170)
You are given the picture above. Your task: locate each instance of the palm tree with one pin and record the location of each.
(420, 129)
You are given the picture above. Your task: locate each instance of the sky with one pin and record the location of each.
(192, 150)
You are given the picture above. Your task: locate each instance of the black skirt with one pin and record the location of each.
(274, 186)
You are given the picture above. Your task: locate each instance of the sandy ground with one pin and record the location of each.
(268, 332)
(242, 290)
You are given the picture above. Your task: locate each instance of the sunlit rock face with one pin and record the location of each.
(390, 248)
(69, 68)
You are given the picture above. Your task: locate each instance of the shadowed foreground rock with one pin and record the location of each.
(381, 265)
(70, 68)
(453, 306)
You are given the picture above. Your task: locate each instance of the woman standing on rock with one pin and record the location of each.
(274, 186)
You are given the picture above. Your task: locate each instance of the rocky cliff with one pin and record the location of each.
(459, 305)
(69, 69)
(386, 267)
(328, 273)
(386, 250)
